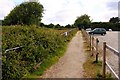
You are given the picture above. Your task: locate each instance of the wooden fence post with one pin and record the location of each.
(104, 59)
(92, 45)
(119, 66)
(97, 41)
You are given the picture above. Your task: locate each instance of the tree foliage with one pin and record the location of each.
(83, 21)
(68, 26)
(51, 25)
(114, 20)
(26, 13)
(106, 25)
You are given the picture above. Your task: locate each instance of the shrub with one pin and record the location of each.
(38, 45)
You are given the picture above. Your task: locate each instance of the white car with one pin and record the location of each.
(110, 29)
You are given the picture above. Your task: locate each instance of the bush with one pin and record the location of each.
(38, 45)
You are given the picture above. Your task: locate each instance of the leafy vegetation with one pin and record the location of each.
(39, 45)
(57, 26)
(83, 21)
(106, 25)
(27, 13)
(114, 20)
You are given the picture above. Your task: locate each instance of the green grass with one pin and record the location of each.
(93, 69)
(43, 67)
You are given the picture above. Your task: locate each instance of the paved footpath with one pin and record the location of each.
(71, 64)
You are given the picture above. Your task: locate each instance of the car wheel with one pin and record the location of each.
(103, 34)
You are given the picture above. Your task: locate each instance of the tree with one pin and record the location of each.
(68, 26)
(114, 20)
(1, 22)
(83, 21)
(42, 24)
(57, 26)
(51, 25)
(26, 13)
(33, 0)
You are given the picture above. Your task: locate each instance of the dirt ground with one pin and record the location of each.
(71, 64)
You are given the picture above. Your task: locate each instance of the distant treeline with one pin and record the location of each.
(56, 26)
(106, 25)
(47, 25)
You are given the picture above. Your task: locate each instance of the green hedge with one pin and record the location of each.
(38, 45)
(106, 25)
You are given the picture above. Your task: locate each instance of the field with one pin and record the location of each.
(40, 48)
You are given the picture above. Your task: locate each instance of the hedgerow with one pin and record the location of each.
(106, 25)
(38, 45)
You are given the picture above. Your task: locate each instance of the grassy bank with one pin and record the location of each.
(92, 69)
(39, 45)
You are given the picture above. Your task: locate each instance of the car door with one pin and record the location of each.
(97, 31)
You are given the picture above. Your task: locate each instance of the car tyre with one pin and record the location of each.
(103, 34)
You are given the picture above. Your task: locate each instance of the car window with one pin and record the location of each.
(102, 30)
(98, 29)
(95, 30)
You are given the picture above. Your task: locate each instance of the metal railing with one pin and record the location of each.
(11, 49)
(16, 48)
(67, 32)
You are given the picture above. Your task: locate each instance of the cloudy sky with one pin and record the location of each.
(66, 11)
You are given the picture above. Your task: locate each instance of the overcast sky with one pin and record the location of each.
(65, 12)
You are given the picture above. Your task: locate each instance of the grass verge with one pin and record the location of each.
(92, 69)
(46, 65)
